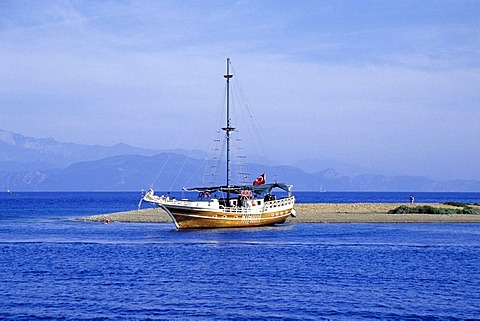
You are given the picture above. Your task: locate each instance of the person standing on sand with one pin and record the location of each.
(412, 199)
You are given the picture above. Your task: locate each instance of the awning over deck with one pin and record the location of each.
(260, 189)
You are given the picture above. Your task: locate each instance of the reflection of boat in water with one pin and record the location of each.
(240, 205)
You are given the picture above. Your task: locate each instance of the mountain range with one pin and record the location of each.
(44, 164)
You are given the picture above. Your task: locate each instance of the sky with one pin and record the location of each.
(392, 86)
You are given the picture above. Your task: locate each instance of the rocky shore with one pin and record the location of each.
(317, 213)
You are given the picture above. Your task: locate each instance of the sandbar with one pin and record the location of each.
(316, 213)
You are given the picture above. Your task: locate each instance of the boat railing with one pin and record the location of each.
(214, 204)
(283, 202)
(287, 201)
(191, 203)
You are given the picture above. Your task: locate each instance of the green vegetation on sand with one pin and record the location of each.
(426, 209)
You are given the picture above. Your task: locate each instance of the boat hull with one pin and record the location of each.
(191, 218)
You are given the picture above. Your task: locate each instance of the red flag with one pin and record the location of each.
(260, 180)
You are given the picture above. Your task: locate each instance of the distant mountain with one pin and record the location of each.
(44, 153)
(170, 171)
(33, 164)
(117, 173)
(314, 165)
(18, 152)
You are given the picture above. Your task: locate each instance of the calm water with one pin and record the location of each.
(53, 267)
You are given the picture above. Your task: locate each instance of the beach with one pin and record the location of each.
(317, 213)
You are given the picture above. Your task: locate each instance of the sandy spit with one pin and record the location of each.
(316, 213)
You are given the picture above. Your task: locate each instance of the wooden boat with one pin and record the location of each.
(240, 206)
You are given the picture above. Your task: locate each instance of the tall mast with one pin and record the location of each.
(228, 128)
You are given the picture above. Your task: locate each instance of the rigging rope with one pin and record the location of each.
(217, 124)
(260, 136)
(197, 138)
(240, 168)
(164, 165)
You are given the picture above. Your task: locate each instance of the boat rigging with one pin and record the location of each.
(244, 205)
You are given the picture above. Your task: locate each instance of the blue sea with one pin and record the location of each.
(53, 267)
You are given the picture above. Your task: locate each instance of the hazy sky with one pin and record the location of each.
(389, 85)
